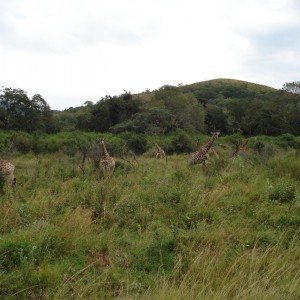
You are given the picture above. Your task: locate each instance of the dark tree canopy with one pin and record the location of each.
(18, 112)
(230, 106)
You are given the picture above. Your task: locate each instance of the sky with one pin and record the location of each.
(73, 51)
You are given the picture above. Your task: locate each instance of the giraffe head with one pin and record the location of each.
(101, 140)
(215, 134)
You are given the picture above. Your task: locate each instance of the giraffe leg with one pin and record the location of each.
(12, 180)
(215, 153)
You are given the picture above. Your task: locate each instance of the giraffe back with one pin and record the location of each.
(7, 169)
(198, 157)
(201, 155)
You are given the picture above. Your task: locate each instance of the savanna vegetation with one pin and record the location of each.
(157, 229)
(229, 106)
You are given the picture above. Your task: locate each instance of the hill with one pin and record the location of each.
(228, 88)
(220, 88)
(227, 105)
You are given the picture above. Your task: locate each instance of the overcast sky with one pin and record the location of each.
(73, 51)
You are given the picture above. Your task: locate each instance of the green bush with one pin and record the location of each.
(137, 143)
(22, 144)
(283, 191)
(39, 242)
(181, 143)
(286, 140)
(13, 253)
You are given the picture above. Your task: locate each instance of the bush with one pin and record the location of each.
(40, 242)
(137, 143)
(286, 140)
(283, 191)
(22, 144)
(182, 143)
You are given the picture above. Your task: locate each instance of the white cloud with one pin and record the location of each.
(71, 51)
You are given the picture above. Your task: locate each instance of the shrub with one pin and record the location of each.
(283, 191)
(137, 143)
(181, 143)
(40, 242)
(287, 140)
(22, 144)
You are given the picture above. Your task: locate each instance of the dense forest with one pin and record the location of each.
(230, 106)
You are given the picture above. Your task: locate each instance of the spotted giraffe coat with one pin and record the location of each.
(7, 169)
(107, 162)
(201, 155)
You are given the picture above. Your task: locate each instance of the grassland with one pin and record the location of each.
(156, 230)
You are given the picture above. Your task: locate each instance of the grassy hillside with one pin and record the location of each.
(238, 87)
(226, 88)
(156, 230)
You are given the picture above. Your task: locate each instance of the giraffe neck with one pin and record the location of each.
(209, 144)
(158, 148)
(105, 153)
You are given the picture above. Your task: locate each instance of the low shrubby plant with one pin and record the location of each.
(282, 191)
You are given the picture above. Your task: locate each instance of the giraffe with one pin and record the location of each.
(243, 147)
(7, 169)
(107, 163)
(240, 148)
(201, 155)
(224, 146)
(212, 149)
(160, 153)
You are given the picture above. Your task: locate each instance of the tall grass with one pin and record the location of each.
(157, 230)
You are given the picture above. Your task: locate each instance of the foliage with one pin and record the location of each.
(181, 143)
(283, 191)
(19, 112)
(188, 112)
(154, 120)
(137, 143)
(154, 230)
(222, 104)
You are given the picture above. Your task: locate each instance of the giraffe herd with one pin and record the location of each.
(200, 156)
(107, 163)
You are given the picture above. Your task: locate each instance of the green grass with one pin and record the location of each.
(156, 230)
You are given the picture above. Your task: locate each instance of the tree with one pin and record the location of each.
(292, 87)
(294, 104)
(18, 112)
(189, 113)
(217, 119)
(153, 120)
(42, 113)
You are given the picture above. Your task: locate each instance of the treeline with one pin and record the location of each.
(167, 110)
(230, 106)
(19, 112)
(238, 106)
